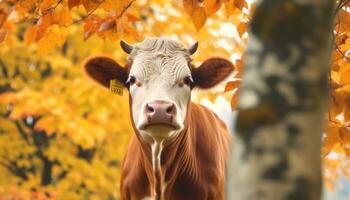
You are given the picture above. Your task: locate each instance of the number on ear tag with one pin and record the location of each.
(116, 87)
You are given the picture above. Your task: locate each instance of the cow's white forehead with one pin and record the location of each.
(159, 57)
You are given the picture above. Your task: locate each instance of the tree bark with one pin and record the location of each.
(277, 151)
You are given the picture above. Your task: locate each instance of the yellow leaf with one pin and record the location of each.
(46, 124)
(52, 39)
(345, 88)
(344, 74)
(63, 17)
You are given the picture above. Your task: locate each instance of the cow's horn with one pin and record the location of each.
(126, 47)
(193, 48)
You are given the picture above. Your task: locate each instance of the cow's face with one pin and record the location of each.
(160, 79)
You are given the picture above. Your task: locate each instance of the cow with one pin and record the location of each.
(179, 148)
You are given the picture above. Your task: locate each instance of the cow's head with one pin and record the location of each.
(159, 78)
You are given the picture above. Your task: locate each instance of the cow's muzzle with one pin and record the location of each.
(160, 113)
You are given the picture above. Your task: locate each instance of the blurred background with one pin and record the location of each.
(62, 136)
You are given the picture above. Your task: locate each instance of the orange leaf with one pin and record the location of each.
(45, 124)
(131, 17)
(344, 73)
(46, 4)
(242, 28)
(199, 17)
(52, 39)
(30, 34)
(42, 25)
(341, 39)
(3, 17)
(239, 4)
(345, 88)
(107, 25)
(231, 10)
(332, 137)
(90, 5)
(3, 33)
(197, 13)
(234, 100)
(63, 17)
(211, 6)
(345, 133)
(347, 112)
(73, 3)
(239, 68)
(232, 85)
(91, 25)
(188, 6)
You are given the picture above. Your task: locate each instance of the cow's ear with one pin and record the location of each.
(103, 69)
(211, 72)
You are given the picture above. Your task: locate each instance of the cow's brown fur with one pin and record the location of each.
(192, 164)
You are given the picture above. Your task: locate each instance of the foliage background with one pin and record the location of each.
(63, 136)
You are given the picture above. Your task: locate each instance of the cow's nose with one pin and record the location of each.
(160, 111)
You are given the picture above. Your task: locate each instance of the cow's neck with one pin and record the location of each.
(158, 187)
(159, 171)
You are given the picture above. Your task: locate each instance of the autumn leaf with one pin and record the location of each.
(199, 17)
(52, 39)
(132, 17)
(42, 25)
(3, 16)
(3, 33)
(196, 11)
(30, 34)
(91, 25)
(212, 6)
(107, 25)
(45, 5)
(234, 99)
(345, 89)
(91, 5)
(242, 28)
(239, 68)
(239, 4)
(345, 133)
(73, 3)
(332, 137)
(63, 17)
(46, 124)
(232, 85)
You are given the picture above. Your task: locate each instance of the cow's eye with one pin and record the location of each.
(131, 80)
(188, 81)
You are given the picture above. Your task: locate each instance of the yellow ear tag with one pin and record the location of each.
(116, 87)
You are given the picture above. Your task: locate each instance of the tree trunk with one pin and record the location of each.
(277, 151)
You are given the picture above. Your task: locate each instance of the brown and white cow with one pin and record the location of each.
(179, 148)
